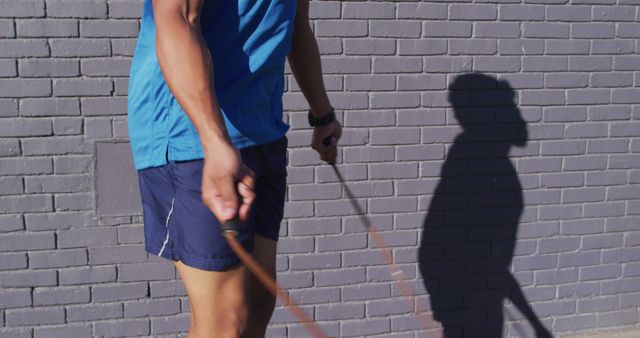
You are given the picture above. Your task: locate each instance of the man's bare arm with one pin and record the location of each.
(304, 60)
(187, 67)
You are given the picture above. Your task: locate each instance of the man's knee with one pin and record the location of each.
(230, 321)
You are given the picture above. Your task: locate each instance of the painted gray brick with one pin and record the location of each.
(395, 136)
(593, 63)
(340, 277)
(82, 87)
(49, 107)
(76, 9)
(365, 292)
(352, 172)
(10, 48)
(569, 14)
(446, 29)
(473, 12)
(107, 28)
(118, 254)
(57, 258)
(395, 29)
(27, 241)
(340, 311)
(55, 145)
(80, 47)
(36, 316)
(369, 11)
(47, 28)
(379, 82)
(106, 67)
(145, 271)
(178, 323)
(156, 307)
(24, 8)
(70, 331)
(123, 47)
(25, 87)
(126, 328)
(315, 192)
(48, 68)
(8, 68)
(86, 237)
(98, 311)
(306, 227)
(60, 295)
(11, 222)
(559, 276)
(520, 47)
(610, 13)
(394, 171)
(601, 272)
(497, 30)
(57, 183)
(317, 261)
(7, 29)
(67, 126)
(120, 291)
(89, 274)
(522, 12)
(15, 297)
(53, 221)
(422, 47)
(324, 9)
(11, 185)
(354, 224)
(8, 107)
(397, 65)
(360, 328)
(125, 9)
(26, 203)
(344, 28)
(473, 46)
(600, 209)
(13, 261)
(617, 318)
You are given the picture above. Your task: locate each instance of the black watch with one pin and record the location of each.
(322, 121)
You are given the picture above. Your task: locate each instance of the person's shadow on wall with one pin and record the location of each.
(469, 233)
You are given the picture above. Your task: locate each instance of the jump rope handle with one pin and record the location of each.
(232, 225)
(327, 141)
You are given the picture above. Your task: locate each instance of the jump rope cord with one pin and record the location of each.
(259, 272)
(230, 231)
(399, 277)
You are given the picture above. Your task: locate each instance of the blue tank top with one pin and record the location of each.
(249, 41)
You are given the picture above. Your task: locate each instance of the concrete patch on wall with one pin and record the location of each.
(117, 190)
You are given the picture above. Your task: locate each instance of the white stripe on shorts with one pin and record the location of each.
(166, 225)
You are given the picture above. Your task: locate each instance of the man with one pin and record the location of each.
(209, 143)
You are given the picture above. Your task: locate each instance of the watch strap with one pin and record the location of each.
(321, 121)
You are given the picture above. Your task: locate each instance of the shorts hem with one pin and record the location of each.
(210, 264)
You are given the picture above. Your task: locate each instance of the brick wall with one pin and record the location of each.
(495, 144)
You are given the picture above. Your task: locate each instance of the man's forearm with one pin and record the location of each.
(304, 61)
(187, 67)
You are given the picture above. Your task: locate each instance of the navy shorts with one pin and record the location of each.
(179, 226)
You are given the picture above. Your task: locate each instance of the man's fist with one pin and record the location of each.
(227, 184)
(333, 132)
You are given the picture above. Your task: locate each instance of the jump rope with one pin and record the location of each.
(230, 231)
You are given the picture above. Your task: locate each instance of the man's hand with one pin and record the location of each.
(328, 153)
(224, 177)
